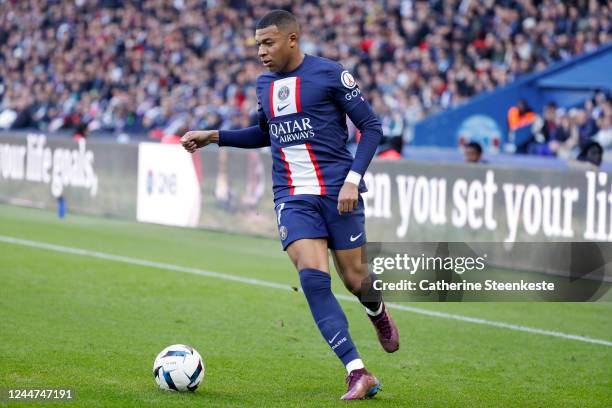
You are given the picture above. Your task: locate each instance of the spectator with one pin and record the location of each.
(137, 66)
(566, 136)
(473, 153)
(391, 149)
(80, 132)
(520, 119)
(604, 136)
(559, 131)
(587, 127)
(591, 153)
(544, 132)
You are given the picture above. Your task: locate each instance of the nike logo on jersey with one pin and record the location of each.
(355, 238)
(280, 108)
(333, 338)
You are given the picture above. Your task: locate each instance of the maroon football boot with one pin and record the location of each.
(386, 329)
(361, 385)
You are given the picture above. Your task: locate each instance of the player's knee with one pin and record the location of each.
(308, 256)
(305, 262)
(309, 260)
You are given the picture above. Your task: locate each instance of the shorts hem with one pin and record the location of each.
(351, 245)
(287, 242)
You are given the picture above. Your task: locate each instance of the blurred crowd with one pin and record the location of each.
(560, 132)
(165, 65)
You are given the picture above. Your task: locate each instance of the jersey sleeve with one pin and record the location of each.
(247, 138)
(346, 94)
(344, 89)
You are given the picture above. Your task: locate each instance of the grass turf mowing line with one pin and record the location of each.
(273, 285)
(97, 325)
(262, 259)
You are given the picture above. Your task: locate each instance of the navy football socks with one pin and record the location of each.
(328, 314)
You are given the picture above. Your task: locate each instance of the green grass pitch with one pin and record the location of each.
(95, 325)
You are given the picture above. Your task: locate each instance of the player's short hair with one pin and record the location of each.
(284, 20)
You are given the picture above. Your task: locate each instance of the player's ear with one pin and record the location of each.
(293, 39)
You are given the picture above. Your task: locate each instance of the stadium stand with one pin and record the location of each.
(546, 114)
(156, 66)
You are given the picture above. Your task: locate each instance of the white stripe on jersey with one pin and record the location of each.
(305, 176)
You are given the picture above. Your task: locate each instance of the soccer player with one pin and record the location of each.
(302, 104)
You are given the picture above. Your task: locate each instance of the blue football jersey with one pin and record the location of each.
(306, 110)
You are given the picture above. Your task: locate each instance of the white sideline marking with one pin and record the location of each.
(259, 282)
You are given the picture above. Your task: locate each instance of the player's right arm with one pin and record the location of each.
(194, 139)
(248, 138)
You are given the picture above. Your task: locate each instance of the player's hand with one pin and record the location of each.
(195, 139)
(348, 198)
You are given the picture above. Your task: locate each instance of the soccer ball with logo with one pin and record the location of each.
(178, 368)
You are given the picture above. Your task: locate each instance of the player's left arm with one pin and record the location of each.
(347, 95)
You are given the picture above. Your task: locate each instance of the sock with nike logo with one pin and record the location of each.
(328, 314)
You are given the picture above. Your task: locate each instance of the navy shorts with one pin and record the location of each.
(314, 216)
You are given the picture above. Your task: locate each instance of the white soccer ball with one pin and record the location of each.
(178, 368)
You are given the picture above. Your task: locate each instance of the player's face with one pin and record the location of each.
(274, 47)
